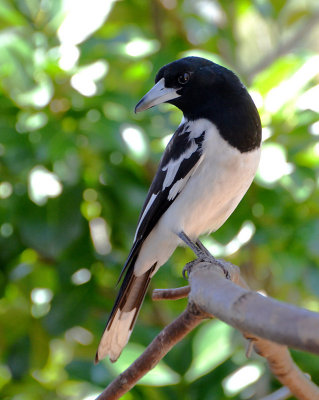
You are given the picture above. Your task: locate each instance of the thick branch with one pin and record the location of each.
(286, 371)
(213, 295)
(158, 348)
(251, 312)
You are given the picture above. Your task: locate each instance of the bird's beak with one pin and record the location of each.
(157, 95)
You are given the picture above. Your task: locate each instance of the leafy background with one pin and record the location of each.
(76, 164)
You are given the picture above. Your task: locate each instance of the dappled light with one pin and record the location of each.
(85, 80)
(290, 88)
(140, 47)
(219, 350)
(244, 235)
(5, 190)
(43, 184)
(100, 236)
(41, 298)
(80, 335)
(273, 164)
(81, 19)
(161, 376)
(241, 378)
(69, 55)
(81, 276)
(76, 163)
(136, 142)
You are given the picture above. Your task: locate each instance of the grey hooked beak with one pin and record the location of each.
(157, 95)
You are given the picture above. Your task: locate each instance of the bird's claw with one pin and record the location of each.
(204, 258)
(209, 258)
(186, 270)
(189, 266)
(224, 269)
(203, 255)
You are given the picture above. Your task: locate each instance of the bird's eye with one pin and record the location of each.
(184, 78)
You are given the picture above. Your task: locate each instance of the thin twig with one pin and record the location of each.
(281, 394)
(249, 348)
(171, 294)
(284, 47)
(157, 349)
(175, 19)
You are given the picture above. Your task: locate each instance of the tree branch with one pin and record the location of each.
(213, 295)
(281, 394)
(171, 294)
(284, 47)
(251, 312)
(159, 347)
(284, 368)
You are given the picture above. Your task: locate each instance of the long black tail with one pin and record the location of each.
(124, 313)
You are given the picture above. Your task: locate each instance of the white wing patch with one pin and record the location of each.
(172, 166)
(179, 185)
(195, 130)
(150, 202)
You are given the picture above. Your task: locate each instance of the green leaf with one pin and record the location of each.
(161, 375)
(211, 346)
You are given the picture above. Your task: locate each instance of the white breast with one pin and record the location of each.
(211, 194)
(216, 187)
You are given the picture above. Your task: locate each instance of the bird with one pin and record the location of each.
(205, 170)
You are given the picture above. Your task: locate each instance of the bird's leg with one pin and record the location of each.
(211, 258)
(193, 246)
(203, 248)
(198, 248)
(201, 252)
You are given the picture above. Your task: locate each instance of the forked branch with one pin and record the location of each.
(159, 347)
(264, 318)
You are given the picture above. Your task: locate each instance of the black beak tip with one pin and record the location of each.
(136, 109)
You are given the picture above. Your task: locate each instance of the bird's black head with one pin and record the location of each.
(196, 81)
(203, 89)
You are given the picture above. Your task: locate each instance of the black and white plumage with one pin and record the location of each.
(205, 171)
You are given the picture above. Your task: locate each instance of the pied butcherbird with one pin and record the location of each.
(206, 169)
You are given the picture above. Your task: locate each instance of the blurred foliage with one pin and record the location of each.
(75, 165)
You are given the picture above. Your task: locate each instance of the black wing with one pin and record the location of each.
(185, 150)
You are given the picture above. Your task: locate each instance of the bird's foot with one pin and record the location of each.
(189, 266)
(202, 254)
(209, 258)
